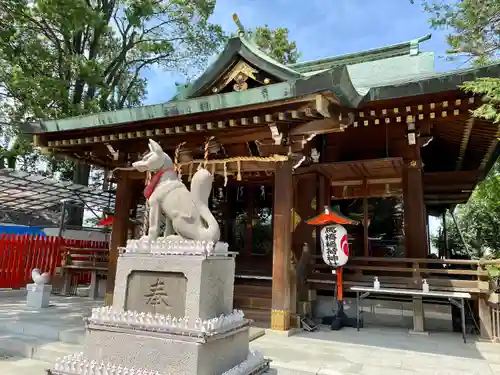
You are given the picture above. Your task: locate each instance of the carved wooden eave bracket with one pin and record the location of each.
(334, 118)
(113, 154)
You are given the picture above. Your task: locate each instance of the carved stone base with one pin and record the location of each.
(280, 320)
(156, 351)
(77, 364)
(192, 286)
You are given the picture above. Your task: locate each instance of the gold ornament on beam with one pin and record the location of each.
(240, 82)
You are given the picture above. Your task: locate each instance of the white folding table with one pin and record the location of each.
(455, 298)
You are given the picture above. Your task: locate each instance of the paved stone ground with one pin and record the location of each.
(378, 351)
(42, 336)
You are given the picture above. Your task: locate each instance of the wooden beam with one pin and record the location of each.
(458, 196)
(451, 188)
(465, 141)
(282, 247)
(492, 147)
(119, 235)
(324, 106)
(323, 126)
(443, 202)
(369, 181)
(448, 178)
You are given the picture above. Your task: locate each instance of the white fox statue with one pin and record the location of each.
(186, 212)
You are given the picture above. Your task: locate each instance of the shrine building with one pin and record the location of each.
(377, 135)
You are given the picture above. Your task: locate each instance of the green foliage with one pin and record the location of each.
(493, 271)
(478, 220)
(275, 43)
(489, 88)
(61, 58)
(474, 25)
(474, 29)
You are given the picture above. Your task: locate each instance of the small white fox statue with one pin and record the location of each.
(186, 212)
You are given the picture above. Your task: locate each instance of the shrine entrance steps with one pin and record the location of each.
(254, 297)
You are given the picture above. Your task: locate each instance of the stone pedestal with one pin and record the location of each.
(38, 295)
(172, 314)
(180, 285)
(156, 352)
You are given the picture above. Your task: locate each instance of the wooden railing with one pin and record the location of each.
(441, 274)
(19, 254)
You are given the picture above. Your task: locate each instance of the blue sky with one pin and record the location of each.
(324, 28)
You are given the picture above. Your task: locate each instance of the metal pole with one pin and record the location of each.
(444, 251)
(63, 217)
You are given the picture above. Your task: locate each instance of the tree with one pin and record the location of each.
(275, 43)
(474, 26)
(62, 58)
(478, 220)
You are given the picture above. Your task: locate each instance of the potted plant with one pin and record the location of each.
(494, 276)
(66, 259)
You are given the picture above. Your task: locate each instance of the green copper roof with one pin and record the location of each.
(336, 80)
(209, 103)
(411, 47)
(243, 46)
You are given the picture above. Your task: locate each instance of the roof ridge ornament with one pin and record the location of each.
(241, 29)
(241, 32)
(415, 44)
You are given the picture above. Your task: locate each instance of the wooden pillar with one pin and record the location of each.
(123, 204)
(323, 198)
(305, 207)
(366, 244)
(416, 245)
(443, 251)
(282, 246)
(418, 315)
(428, 233)
(485, 322)
(249, 195)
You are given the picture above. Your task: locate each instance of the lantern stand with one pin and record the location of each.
(339, 318)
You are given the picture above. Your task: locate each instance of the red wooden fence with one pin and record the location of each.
(19, 254)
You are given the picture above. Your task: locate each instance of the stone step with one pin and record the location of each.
(18, 345)
(72, 336)
(32, 329)
(253, 290)
(45, 331)
(23, 366)
(242, 302)
(284, 369)
(34, 347)
(258, 315)
(50, 352)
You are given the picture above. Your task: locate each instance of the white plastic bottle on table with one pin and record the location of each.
(425, 286)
